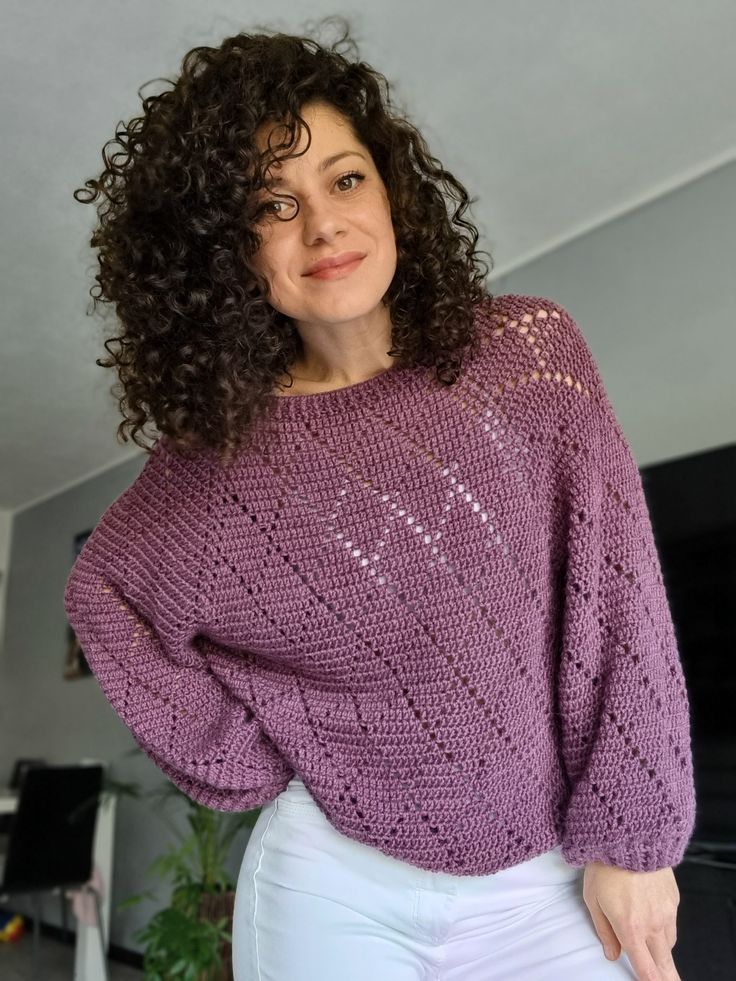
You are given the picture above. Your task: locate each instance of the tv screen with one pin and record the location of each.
(692, 505)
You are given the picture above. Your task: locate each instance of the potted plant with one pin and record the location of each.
(190, 939)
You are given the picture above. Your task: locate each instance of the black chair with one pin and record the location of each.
(51, 839)
(20, 768)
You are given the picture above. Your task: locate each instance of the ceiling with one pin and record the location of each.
(557, 115)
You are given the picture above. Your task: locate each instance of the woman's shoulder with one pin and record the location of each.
(535, 318)
(543, 339)
(169, 479)
(166, 507)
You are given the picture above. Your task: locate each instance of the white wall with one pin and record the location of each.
(6, 531)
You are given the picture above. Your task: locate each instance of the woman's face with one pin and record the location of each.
(342, 208)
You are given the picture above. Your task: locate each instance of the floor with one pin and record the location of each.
(56, 962)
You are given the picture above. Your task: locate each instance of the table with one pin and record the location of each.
(8, 800)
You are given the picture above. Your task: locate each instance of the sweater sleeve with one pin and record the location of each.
(623, 706)
(138, 599)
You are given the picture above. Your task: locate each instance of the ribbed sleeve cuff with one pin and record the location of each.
(646, 856)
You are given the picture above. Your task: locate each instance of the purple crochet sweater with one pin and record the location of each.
(442, 607)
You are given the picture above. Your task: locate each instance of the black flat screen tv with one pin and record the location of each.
(692, 506)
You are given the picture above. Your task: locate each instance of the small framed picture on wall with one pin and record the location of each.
(75, 665)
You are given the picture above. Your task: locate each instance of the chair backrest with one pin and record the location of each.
(20, 769)
(52, 834)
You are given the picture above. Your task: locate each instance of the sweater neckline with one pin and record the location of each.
(362, 394)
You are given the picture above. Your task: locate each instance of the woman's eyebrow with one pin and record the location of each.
(327, 162)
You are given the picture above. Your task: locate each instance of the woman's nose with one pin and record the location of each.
(321, 217)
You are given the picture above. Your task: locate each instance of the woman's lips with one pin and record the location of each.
(337, 272)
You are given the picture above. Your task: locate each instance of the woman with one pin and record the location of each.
(388, 571)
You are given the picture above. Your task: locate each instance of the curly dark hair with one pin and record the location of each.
(200, 345)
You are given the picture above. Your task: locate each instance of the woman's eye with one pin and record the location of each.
(272, 209)
(268, 207)
(353, 173)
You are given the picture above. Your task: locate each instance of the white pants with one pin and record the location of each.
(314, 905)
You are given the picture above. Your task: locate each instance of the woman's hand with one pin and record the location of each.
(635, 911)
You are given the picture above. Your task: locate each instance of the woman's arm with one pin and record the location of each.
(138, 598)
(624, 724)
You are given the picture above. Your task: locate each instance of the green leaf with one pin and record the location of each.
(132, 900)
